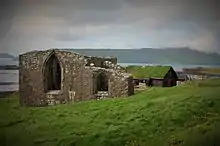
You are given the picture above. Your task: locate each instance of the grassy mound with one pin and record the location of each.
(148, 71)
(182, 115)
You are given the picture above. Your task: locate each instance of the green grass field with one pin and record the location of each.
(184, 115)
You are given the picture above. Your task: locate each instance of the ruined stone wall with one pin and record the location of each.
(78, 80)
(83, 84)
(99, 62)
(119, 84)
(31, 78)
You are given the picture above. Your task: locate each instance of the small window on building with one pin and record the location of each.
(102, 82)
(52, 74)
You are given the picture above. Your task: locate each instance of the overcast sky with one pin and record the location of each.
(40, 24)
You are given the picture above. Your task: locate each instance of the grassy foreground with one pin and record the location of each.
(183, 115)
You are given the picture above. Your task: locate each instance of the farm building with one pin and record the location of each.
(182, 76)
(202, 73)
(58, 76)
(154, 75)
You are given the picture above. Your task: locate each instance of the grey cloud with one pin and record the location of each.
(78, 4)
(7, 12)
(95, 12)
(68, 37)
(184, 9)
(4, 28)
(37, 19)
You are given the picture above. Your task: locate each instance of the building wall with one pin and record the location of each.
(157, 83)
(119, 83)
(32, 91)
(170, 76)
(77, 79)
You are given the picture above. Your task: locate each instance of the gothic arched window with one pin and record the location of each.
(52, 74)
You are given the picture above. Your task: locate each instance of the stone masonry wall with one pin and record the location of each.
(99, 62)
(77, 79)
(120, 84)
(31, 78)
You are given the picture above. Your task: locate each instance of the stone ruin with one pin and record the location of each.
(58, 76)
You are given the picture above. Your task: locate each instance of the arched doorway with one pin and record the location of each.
(102, 82)
(52, 74)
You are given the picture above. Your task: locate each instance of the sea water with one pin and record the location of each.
(13, 75)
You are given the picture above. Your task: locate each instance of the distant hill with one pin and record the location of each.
(6, 55)
(182, 56)
(156, 56)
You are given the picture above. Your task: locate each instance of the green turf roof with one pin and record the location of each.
(148, 71)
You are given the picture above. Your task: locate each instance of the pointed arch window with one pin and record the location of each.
(52, 74)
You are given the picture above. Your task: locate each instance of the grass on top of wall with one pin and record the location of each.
(148, 71)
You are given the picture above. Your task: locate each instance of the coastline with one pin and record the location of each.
(8, 83)
(9, 67)
(9, 74)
